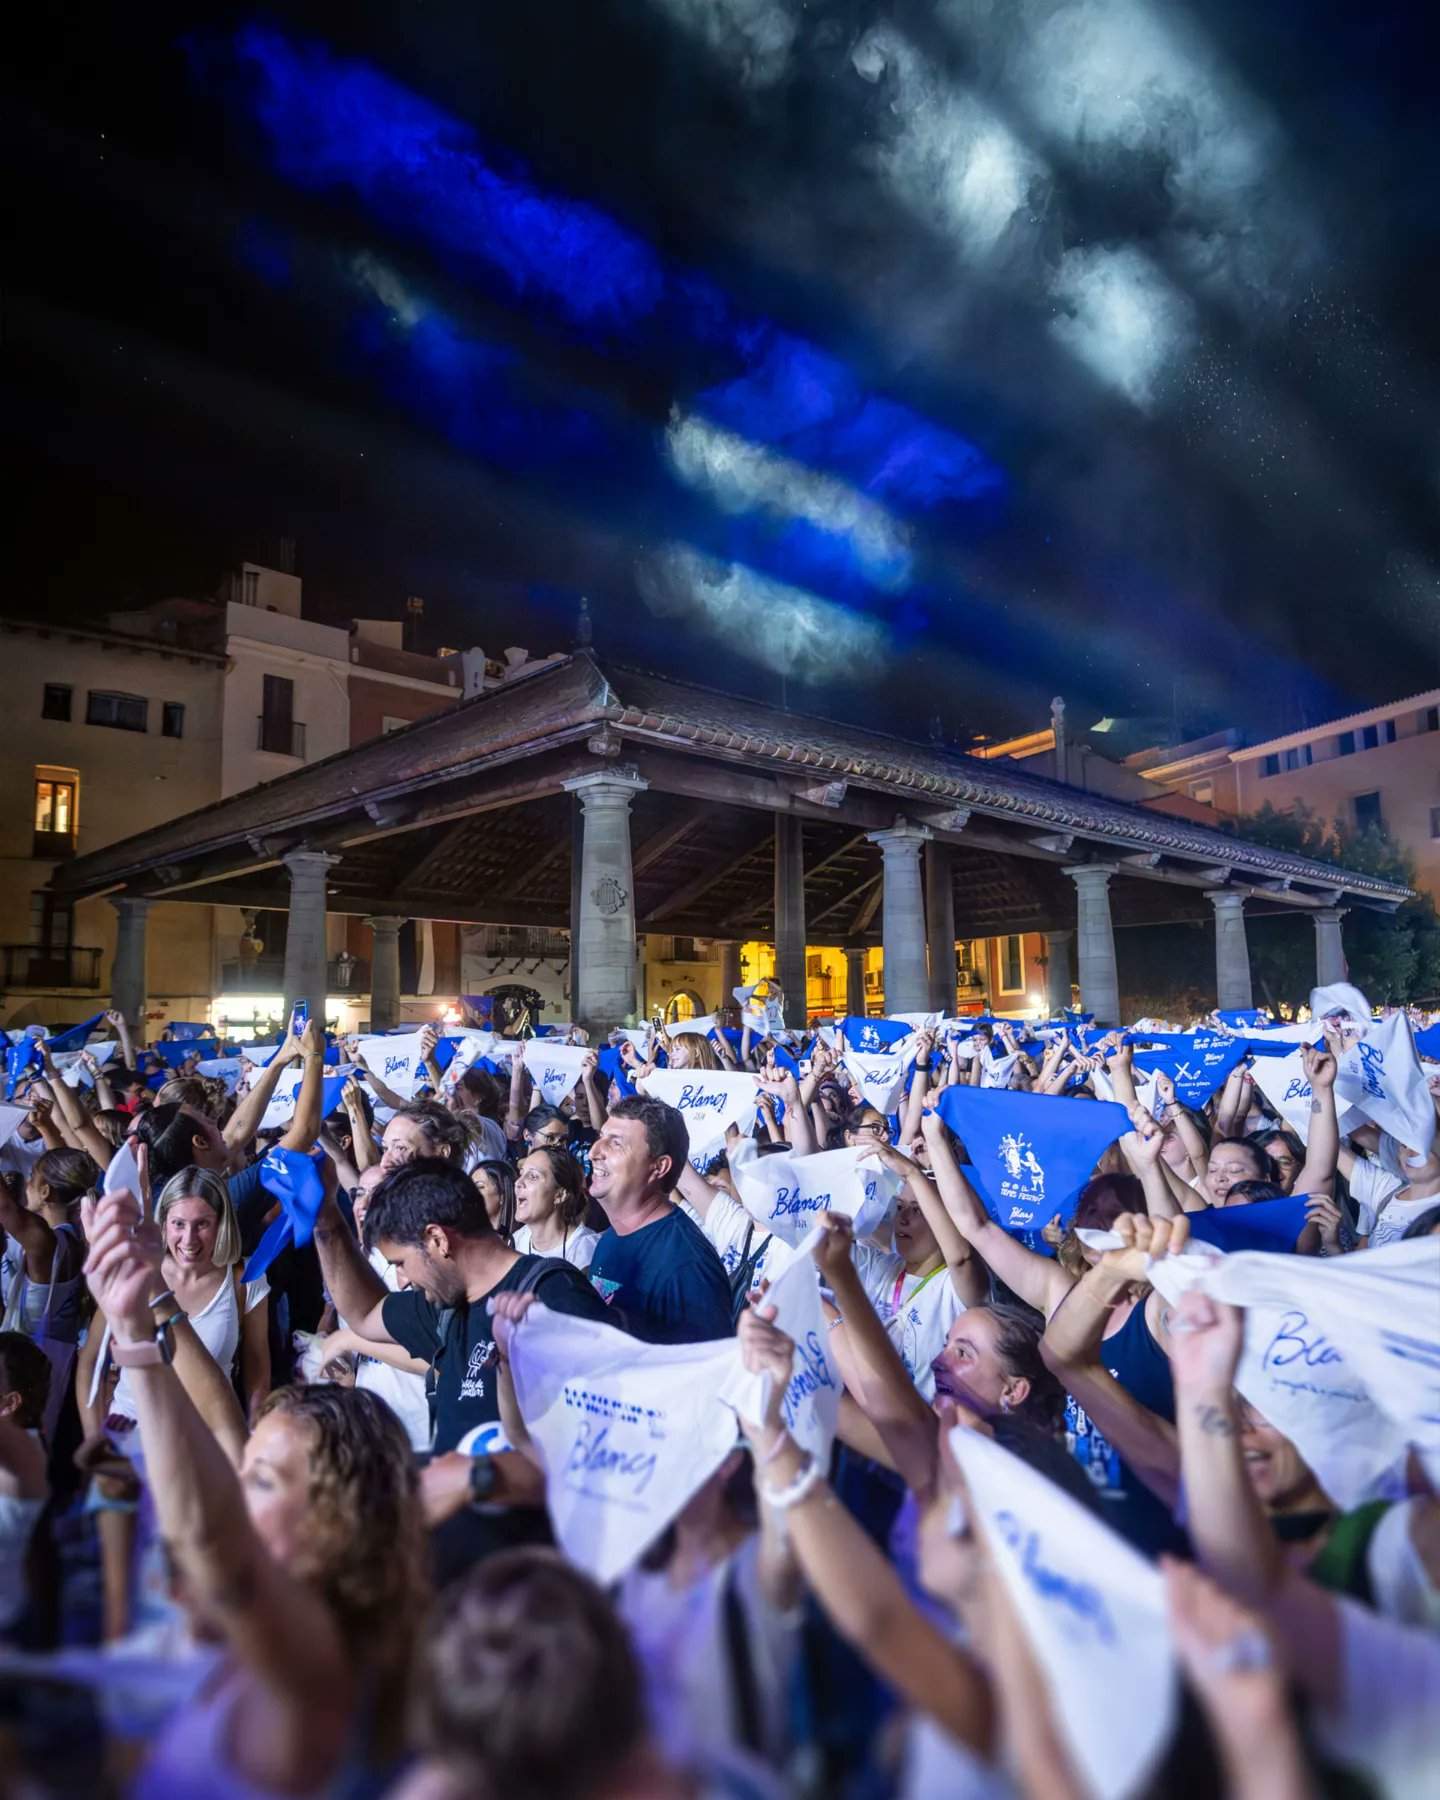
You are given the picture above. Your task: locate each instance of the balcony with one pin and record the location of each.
(267, 976)
(280, 737)
(50, 966)
(53, 846)
(523, 941)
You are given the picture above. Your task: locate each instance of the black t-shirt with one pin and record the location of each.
(467, 1402)
(664, 1282)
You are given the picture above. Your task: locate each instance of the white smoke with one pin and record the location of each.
(740, 476)
(761, 620)
(951, 161)
(754, 38)
(1120, 316)
(389, 289)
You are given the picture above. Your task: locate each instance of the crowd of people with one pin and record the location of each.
(881, 1407)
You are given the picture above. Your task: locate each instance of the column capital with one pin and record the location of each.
(1329, 915)
(1096, 874)
(385, 925)
(1226, 899)
(616, 786)
(137, 905)
(302, 861)
(901, 838)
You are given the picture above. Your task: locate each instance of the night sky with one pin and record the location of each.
(909, 360)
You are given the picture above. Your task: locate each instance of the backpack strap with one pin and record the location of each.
(745, 1694)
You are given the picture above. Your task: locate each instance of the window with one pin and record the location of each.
(1204, 791)
(1270, 766)
(1012, 964)
(1298, 758)
(1345, 744)
(1430, 719)
(1367, 811)
(1372, 736)
(1435, 821)
(54, 814)
(56, 704)
(278, 731)
(52, 921)
(250, 587)
(124, 712)
(172, 719)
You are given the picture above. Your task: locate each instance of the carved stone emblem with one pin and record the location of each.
(609, 896)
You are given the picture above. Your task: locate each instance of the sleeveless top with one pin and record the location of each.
(217, 1325)
(1142, 1368)
(192, 1752)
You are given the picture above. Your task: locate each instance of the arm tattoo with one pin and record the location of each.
(1215, 1421)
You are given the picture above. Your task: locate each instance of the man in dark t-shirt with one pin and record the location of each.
(653, 1267)
(428, 1219)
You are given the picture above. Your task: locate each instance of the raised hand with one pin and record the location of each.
(1145, 1239)
(1322, 1212)
(122, 1268)
(1206, 1338)
(1321, 1066)
(835, 1250)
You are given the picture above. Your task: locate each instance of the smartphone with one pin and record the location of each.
(300, 1018)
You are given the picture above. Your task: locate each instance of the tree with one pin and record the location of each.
(1393, 958)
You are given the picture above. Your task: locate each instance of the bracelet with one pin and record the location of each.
(160, 1299)
(804, 1484)
(174, 1319)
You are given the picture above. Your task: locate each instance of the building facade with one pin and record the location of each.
(107, 734)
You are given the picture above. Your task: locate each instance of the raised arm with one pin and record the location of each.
(82, 1129)
(1039, 1281)
(870, 1364)
(919, 1088)
(363, 1151)
(1073, 1349)
(967, 1276)
(1233, 1104)
(275, 1625)
(120, 1025)
(244, 1122)
(309, 1102)
(358, 1292)
(853, 1580)
(594, 1090)
(776, 1082)
(1322, 1147)
(28, 1229)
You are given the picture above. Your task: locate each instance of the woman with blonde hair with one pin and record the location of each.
(202, 1270)
(689, 1050)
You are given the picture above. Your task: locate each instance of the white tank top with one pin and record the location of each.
(217, 1325)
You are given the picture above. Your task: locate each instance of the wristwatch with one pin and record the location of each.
(149, 1353)
(484, 1479)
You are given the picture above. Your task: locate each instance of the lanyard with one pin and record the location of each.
(900, 1283)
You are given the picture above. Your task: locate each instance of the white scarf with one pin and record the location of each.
(627, 1431)
(554, 1067)
(785, 1194)
(1342, 1354)
(697, 1027)
(1284, 1083)
(396, 1059)
(1380, 1076)
(879, 1075)
(709, 1100)
(812, 1398)
(1093, 1610)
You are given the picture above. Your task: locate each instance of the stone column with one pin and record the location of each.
(790, 917)
(1099, 981)
(907, 980)
(1057, 971)
(305, 931)
(729, 972)
(1232, 953)
(940, 926)
(603, 930)
(1329, 946)
(855, 983)
(384, 973)
(127, 971)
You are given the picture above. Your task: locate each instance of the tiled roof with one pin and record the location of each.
(569, 698)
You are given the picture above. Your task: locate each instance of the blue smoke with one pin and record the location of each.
(341, 126)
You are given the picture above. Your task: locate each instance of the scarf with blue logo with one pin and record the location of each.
(1030, 1154)
(1198, 1064)
(293, 1178)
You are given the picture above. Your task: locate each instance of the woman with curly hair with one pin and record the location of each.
(305, 1565)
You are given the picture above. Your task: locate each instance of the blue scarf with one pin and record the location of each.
(1198, 1064)
(293, 1178)
(1030, 1154)
(75, 1038)
(1270, 1225)
(873, 1034)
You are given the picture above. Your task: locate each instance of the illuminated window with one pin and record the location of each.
(55, 807)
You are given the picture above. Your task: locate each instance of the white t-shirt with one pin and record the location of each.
(1384, 1725)
(1371, 1187)
(680, 1638)
(401, 1391)
(578, 1249)
(1396, 1216)
(916, 1310)
(725, 1225)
